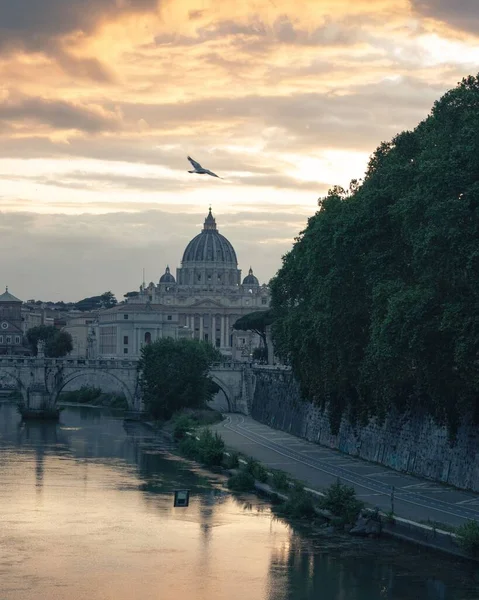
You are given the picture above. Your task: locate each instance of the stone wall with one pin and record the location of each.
(414, 444)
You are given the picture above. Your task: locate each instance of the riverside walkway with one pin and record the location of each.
(318, 467)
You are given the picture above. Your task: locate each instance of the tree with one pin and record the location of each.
(257, 322)
(376, 305)
(174, 375)
(105, 300)
(57, 343)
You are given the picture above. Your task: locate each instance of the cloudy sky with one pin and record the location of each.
(101, 101)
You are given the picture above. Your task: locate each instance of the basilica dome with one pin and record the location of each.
(250, 279)
(167, 277)
(210, 246)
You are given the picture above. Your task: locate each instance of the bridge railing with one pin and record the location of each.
(95, 363)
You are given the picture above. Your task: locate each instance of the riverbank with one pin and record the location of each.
(431, 537)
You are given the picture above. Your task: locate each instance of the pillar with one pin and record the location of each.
(222, 331)
(213, 330)
(201, 328)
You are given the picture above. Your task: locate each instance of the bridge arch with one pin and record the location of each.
(16, 377)
(93, 373)
(225, 389)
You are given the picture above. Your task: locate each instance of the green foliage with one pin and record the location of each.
(342, 502)
(376, 305)
(280, 481)
(105, 300)
(257, 322)
(298, 506)
(95, 396)
(183, 424)
(57, 343)
(256, 469)
(174, 375)
(189, 447)
(468, 535)
(208, 448)
(242, 481)
(211, 448)
(232, 460)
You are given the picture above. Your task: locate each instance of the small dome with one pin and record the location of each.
(167, 277)
(210, 246)
(250, 279)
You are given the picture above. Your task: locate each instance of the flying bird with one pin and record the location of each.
(199, 169)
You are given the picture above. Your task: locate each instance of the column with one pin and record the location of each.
(201, 327)
(222, 331)
(227, 331)
(213, 330)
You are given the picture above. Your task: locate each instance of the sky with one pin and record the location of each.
(102, 100)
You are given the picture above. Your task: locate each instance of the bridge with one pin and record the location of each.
(40, 380)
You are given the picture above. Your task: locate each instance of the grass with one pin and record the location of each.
(208, 448)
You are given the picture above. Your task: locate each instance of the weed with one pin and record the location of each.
(280, 481)
(468, 534)
(242, 481)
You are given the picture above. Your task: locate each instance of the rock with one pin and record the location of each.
(368, 524)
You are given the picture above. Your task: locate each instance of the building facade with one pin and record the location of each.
(203, 302)
(11, 325)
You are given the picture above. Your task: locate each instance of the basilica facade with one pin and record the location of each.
(202, 302)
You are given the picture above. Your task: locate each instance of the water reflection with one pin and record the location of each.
(87, 512)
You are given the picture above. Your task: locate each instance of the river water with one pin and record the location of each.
(86, 513)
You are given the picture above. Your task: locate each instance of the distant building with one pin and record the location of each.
(11, 325)
(203, 302)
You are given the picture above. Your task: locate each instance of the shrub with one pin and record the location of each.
(342, 502)
(189, 447)
(298, 506)
(280, 481)
(242, 481)
(468, 534)
(211, 448)
(232, 460)
(256, 469)
(183, 424)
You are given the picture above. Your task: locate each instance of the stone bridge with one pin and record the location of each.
(40, 380)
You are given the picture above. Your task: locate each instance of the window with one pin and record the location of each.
(125, 350)
(263, 300)
(125, 317)
(1, 339)
(17, 339)
(147, 337)
(218, 342)
(206, 337)
(169, 317)
(199, 277)
(9, 339)
(125, 339)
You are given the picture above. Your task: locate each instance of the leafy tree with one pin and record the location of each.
(174, 375)
(105, 300)
(131, 294)
(256, 322)
(376, 305)
(57, 343)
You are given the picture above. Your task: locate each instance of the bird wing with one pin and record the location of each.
(196, 165)
(208, 172)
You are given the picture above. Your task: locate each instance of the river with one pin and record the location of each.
(86, 513)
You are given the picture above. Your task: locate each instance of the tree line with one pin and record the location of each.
(377, 304)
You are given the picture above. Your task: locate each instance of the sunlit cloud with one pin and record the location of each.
(101, 102)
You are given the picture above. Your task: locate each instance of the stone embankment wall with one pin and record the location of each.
(413, 444)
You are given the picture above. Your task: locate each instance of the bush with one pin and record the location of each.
(468, 535)
(298, 506)
(256, 469)
(342, 502)
(281, 481)
(189, 447)
(243, 481)
(183, 424)
(232, 460)
(211, 448)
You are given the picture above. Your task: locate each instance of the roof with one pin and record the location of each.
(210, 246)
(250, 279)
(7, 297)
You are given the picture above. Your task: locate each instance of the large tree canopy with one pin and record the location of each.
(174, 375)
(257, 322)
(377, 303)
(57, 343)
(105, 300)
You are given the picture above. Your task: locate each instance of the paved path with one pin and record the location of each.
(414, 498)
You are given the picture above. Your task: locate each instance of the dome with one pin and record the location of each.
(250, 279)
(210, 246)
(167, 277)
